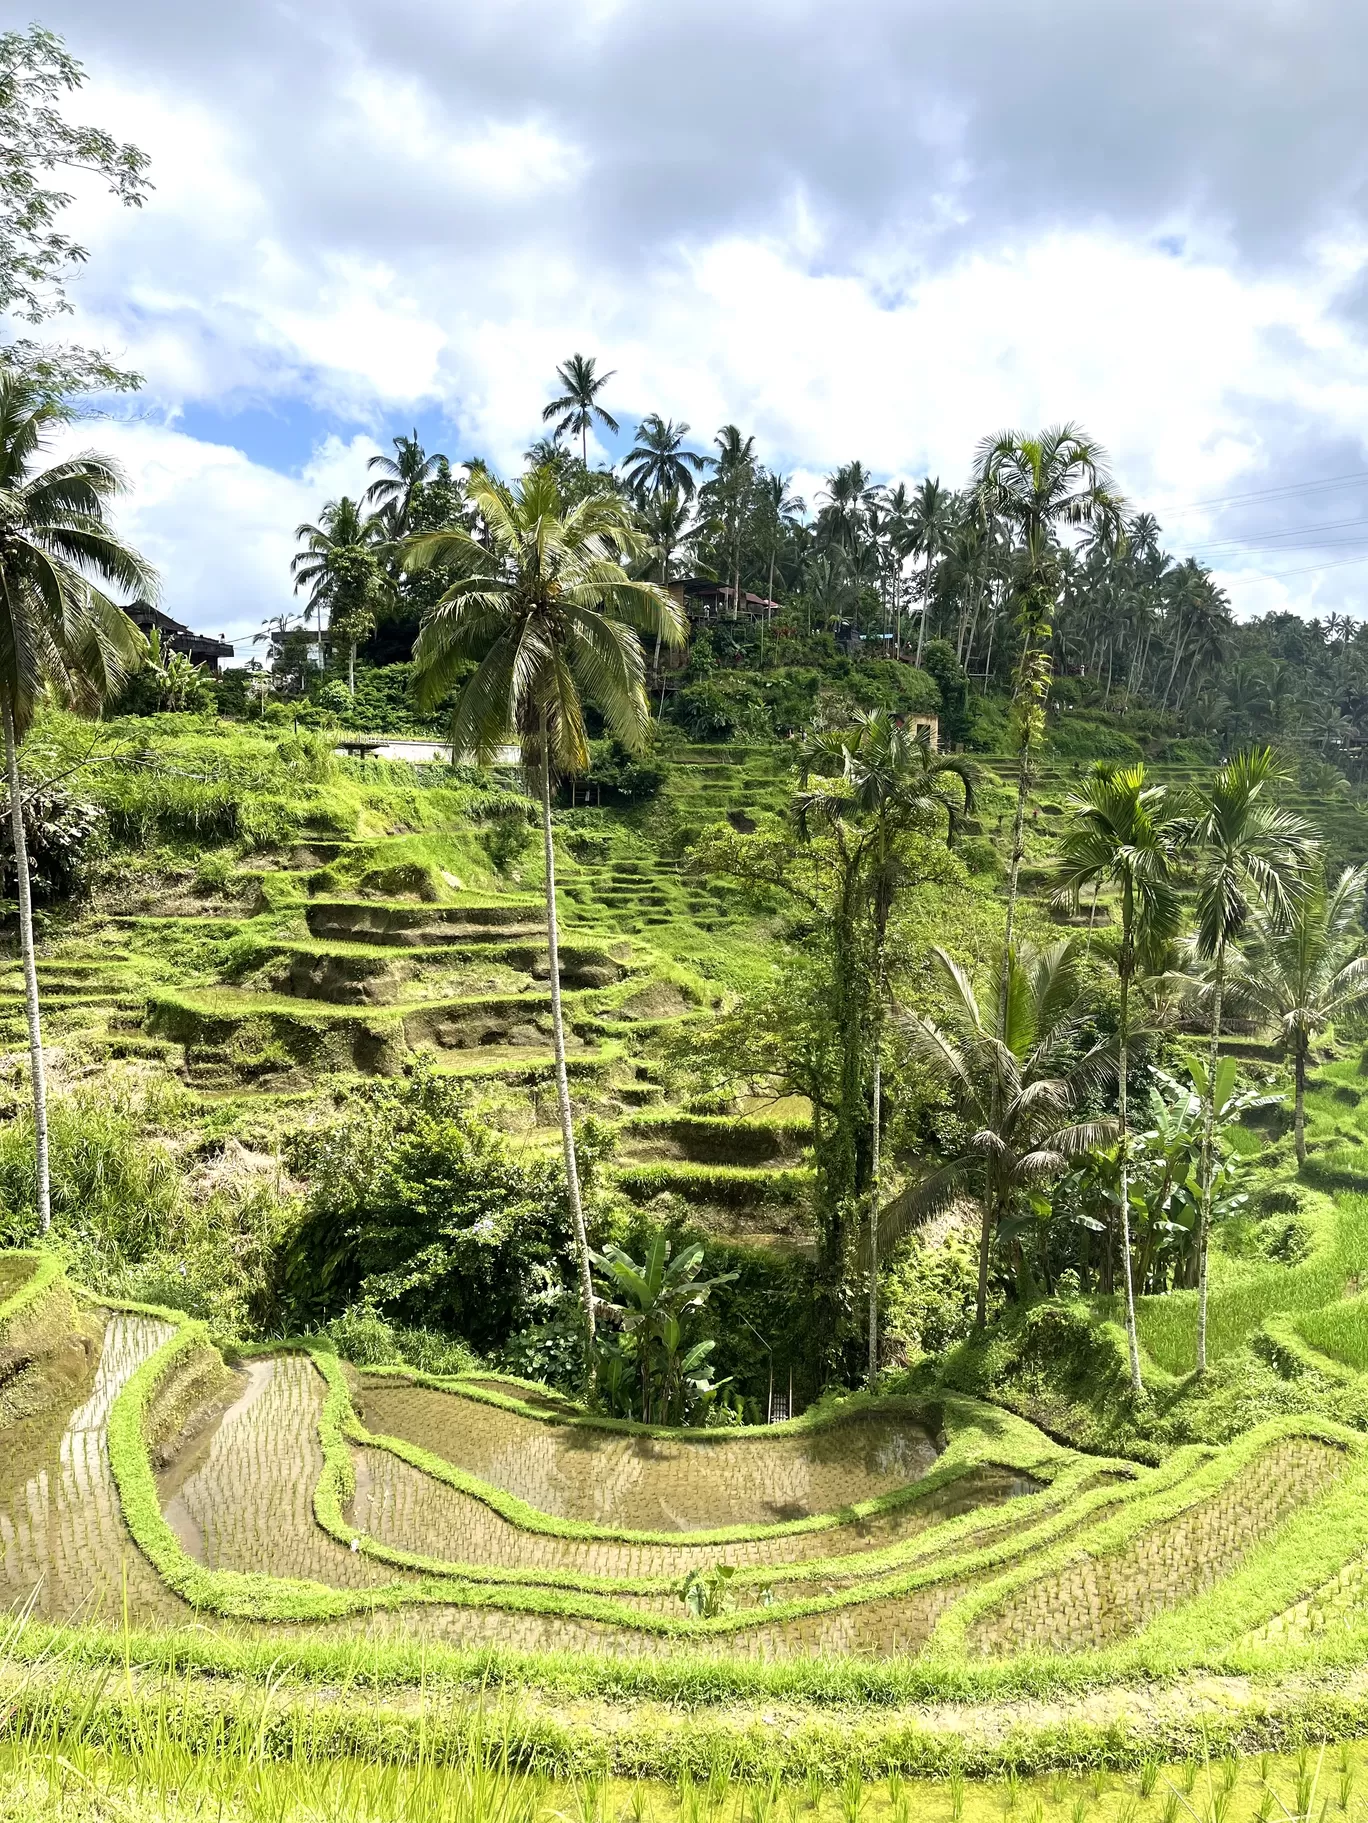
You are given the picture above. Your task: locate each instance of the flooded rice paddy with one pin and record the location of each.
(657, 1484)
(240, 1498)
(63, 1542)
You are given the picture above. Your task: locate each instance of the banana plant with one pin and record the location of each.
(647, 1308)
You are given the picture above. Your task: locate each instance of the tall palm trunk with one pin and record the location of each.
(558, 1039)
(1299, 1116)
(874, 1163)
(926, 609)
(1024, 775)
(25, 897)
(1123, 1149)
(1208, 1143)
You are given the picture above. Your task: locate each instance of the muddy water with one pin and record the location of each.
(243, 1497)
(663, 1484)
(400, 1507)
(61, 1531)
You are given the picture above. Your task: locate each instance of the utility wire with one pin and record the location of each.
(1266, 493)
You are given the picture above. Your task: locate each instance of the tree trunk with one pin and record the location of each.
(558, 1028)
(1132, 1336)
(351, 669)
(874, 1212)
(24, 892)
(926, 609)
(1208, 1140)
(1018, 849)
(985, 1243)
(1300, 1115)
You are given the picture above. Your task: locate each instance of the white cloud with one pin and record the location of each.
(219, 527)
(843, 229)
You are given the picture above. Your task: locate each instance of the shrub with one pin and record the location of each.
(1079, 737)
(62, 833)
(418, 1209)
(362, 1335)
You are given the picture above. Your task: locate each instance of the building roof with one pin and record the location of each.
(175, 633)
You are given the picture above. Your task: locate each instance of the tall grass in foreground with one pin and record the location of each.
(1340, 1331)
(83, 1748)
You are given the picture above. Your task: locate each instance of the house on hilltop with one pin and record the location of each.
(704, 599)
(198, 647)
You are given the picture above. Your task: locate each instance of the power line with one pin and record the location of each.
(1267, 493)
(1336, 563)
(1294, 531)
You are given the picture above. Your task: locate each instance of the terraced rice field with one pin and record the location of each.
(650, 1483)
(474, 1514)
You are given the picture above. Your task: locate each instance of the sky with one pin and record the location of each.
(881, 229)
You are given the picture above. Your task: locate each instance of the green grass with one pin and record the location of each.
(1340, 1331)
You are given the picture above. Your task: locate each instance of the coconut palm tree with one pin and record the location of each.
(402, 477)
(930, 523)
(658, 463)
(340, 565)
(1006, 1065)
(1303, 973)
(1038, 485)
(59, 631)
(728, 494)
(891, 785)
(1251, 855)
(551, 619)
(1125, 835)
(577, 409)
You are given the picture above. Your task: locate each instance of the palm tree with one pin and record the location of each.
(1125, 835)
(401, 479)
(1036, 485)
(891, 784)
(1251, 854)
(782, 512)
(658, 463)
(930, 521)
(340, 567)
(728, 493)
(1011, 1084)
(577, 408)
(551, 618)
(1303, 973)
(59, 632)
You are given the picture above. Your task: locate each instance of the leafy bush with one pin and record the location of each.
(62, 833)
(928, 1293)
(980, 855)
(1078, 737)
(114, 1189)
(362, 1335)
(419, 1210)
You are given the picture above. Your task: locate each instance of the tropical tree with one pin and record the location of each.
(651, 1303)
(341, 566)
(1250, 854)
(781, 512)
(551, 619)
(59, 631)
(38, 76)
(577, 409)
(1038, 485)
(400, 481)
(930, 523)
(1011, 1071)
(658, 462)
(1125, 835)
(891, 784)
(1303, 972)
(727, 495)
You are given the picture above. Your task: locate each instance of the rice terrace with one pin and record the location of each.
(680, 1140)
